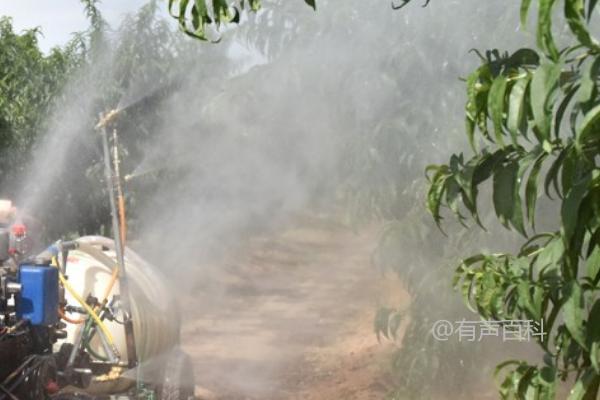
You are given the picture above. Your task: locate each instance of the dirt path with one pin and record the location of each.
(290, 318)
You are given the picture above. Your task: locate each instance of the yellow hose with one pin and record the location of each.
(109, 288)
(87, 308)
(85, 305)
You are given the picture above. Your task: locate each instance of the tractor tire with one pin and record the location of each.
(178, 378)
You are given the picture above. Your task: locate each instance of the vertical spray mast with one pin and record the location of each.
(117, 210)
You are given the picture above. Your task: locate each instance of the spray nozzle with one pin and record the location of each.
(107, 118)
(134, 175)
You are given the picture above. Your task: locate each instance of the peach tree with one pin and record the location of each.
(533, 123)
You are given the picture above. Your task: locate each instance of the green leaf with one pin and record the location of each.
(562, 108)
(505, 184)
(593, 335)
(312, 3)
(551, 254)
(171, 3)
(587, 125)
(436, 191)
(453, 195)
(255, 5)
(467, 289)
(523, 57)
(526, 300)
(543, 85)
(470, 127)
(548, 375)
(496, 106)
(539, 294)
(573, 312)
(503, 365)
(548, 381)
(531, 191)
(591, 6)
(516, 108)
(571, 205)
(545, 38)
(525, 389)
(525, 5)
(183, 4)
(593, 264)
(471, 109)
(584, 384)
(574, 12)
(588, 80)
(486, 165)
(221, 11)
(552, 174)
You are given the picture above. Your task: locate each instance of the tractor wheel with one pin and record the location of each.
(178, 379)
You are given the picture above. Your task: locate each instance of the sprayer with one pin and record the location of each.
(88, 318)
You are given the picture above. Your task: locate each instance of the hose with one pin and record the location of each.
(88, 309)
(100, 256)
(83, 304)
(93, 353)
(92, 312)
(86, 343)
(64, 317)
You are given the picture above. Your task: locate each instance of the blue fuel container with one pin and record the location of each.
(38, 301)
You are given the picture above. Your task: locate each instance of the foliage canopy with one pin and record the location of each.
(30, 81)
(532, 120)
(197, 17)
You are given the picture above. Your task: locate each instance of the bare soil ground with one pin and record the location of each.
(290, 317)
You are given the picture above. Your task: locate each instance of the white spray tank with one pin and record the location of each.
(155, 315)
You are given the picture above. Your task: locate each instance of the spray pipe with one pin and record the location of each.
(111, 179)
